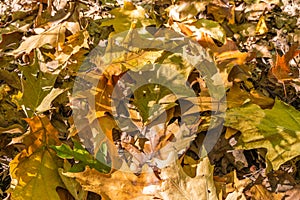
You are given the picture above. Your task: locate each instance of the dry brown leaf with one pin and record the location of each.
(222, 11)
(259, 192)
(177, 185)
(229, 187)
(118, 185)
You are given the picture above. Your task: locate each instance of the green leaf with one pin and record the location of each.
(83, 156)
(36, 86)
(276, 129)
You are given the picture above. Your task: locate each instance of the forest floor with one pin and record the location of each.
(254, 45)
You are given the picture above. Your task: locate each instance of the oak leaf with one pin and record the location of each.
(120, 184)
(35, 168)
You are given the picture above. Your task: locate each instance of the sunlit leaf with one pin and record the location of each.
(83, 156)
(35, 168)
(276, 129)
(281, 68)
(37, 176)
(36, 87)
(54, 36)
(73, 45)
(118, 185)
(126, 15)
(177, 185)
(261, 27)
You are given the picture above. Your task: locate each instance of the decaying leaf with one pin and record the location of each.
(222, 11)
(229, 187)
(186, 10)
(177, 185)
(276, 129)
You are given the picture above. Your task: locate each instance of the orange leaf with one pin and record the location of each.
(185, 30)
(41, 133)
(281, 69)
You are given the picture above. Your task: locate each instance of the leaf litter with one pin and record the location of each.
(255, 45)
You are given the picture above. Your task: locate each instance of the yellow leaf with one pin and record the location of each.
(72, 46)
(261, 27)
(126, 16)
(35, 169)
(37, 176)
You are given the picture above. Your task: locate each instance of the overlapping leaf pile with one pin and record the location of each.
(44, 49)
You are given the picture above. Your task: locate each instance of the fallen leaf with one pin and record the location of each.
(222, 11)
(186, 10)
(238, 96)
(177, 185)
(37, 175)
(73, 45)
(72, 186)
(47, 100)
(121, 185)
(276, 130)
(55, 36)
(36, 87)
(126, 16)
(281, 69)
(10, 40)
(197, 28)
(36, 167)
(259, 192)
(261, 27)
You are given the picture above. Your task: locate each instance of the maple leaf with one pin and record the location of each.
(36, 167)
(281, 69)
(276, 130)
